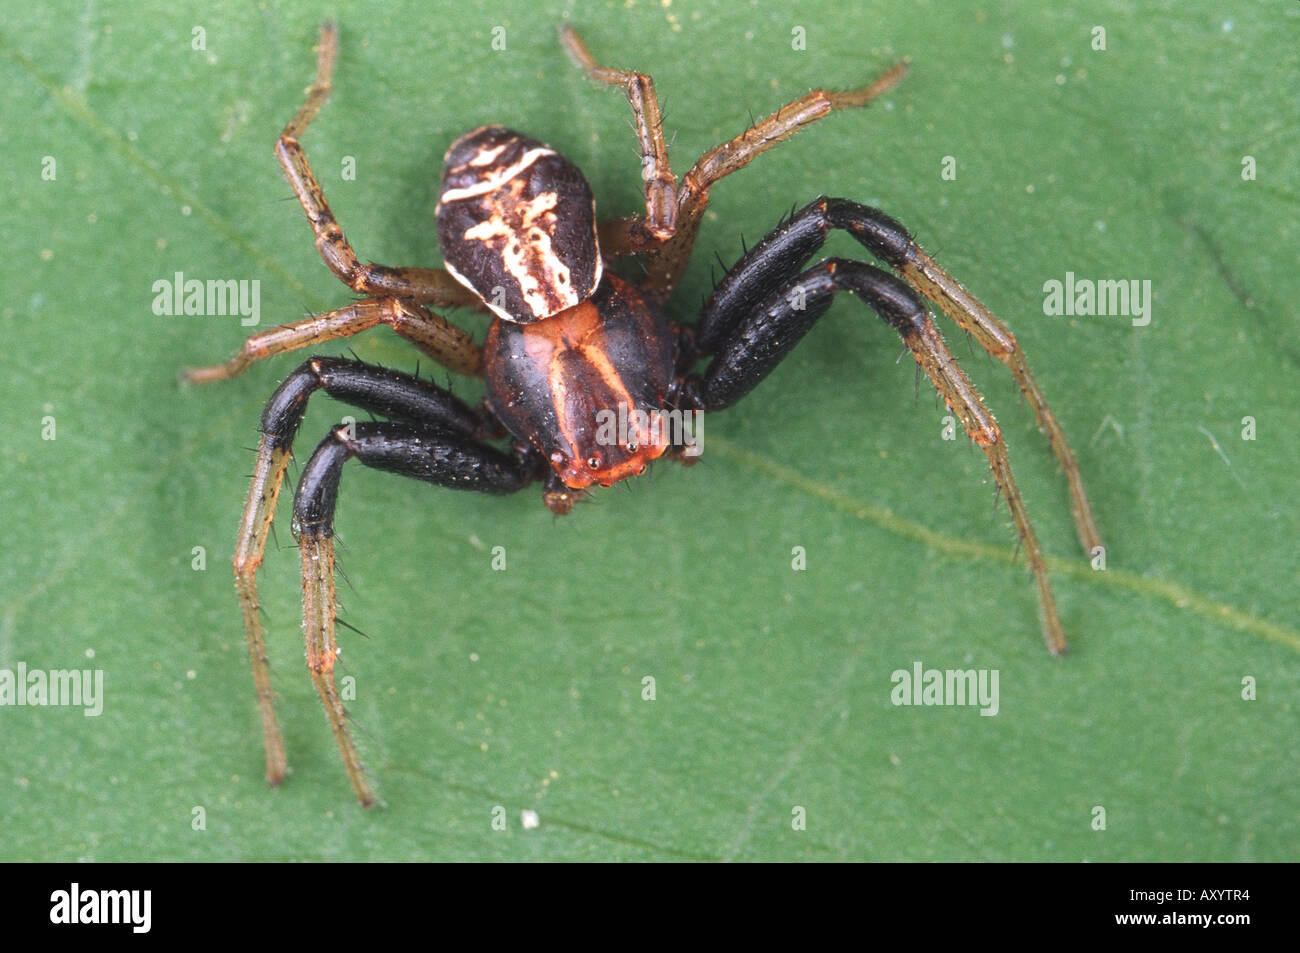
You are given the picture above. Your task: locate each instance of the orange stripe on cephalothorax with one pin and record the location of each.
(579, 333)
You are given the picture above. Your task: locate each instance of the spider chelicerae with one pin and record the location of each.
(571, 343)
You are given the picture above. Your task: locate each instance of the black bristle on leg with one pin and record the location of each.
(785, 250)
(444, 458)
(748, 338)
(778, 258)
(771, 329)
(436, 456)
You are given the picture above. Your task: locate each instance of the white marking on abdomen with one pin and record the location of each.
(494, 183)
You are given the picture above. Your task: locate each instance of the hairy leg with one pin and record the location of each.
(666, 233)
(444, 458)
(764, 336)
(782, 253)
(665, 265)
(449, 345)
(380, 391)
(424, 285)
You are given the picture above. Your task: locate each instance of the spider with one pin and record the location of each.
(570, 342)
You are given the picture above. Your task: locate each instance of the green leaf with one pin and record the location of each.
(523, 688)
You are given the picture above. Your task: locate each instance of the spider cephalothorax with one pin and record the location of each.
(548, 383)
(572, 345)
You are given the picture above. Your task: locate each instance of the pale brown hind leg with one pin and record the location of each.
(427, 285)
(433, 334)
(660, 184)
(673, 209)
(449, 345)
(666, 264)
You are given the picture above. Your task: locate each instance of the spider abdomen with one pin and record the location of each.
(517, 225)
(585, 386)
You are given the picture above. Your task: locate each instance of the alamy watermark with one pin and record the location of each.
(79, 688)
(129, 907)
(215, 297)
(1085, 297)
(947, 687)
(678, 428)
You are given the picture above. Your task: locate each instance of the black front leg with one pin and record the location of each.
(760, 339)
(776, 260)
(442, 457)
(783, 252)
(375, 389)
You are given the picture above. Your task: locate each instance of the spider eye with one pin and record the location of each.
(631, 447)
(593, 463)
